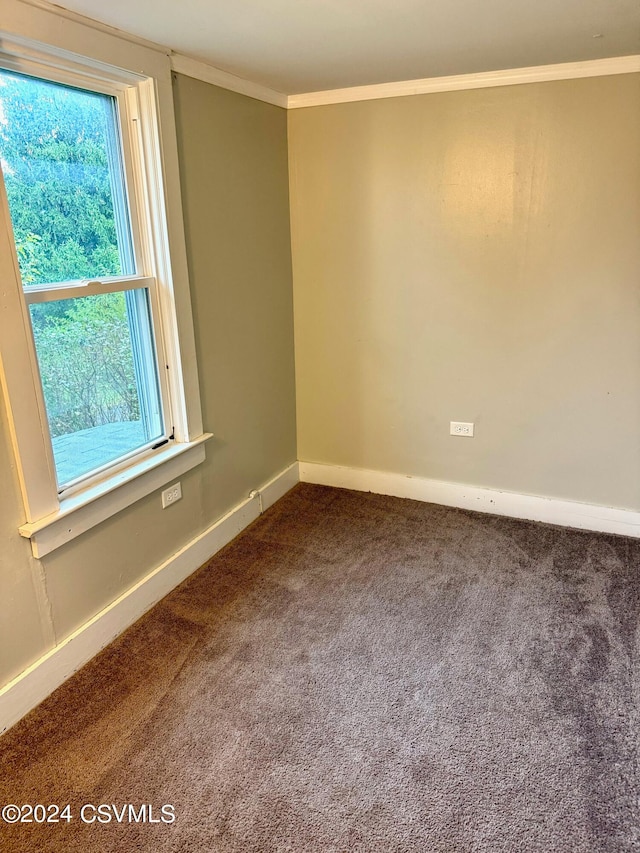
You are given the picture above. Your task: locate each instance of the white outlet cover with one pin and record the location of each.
(460, 428)
(171, 495)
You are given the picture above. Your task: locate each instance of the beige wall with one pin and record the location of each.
(233, 153)
(473, 256)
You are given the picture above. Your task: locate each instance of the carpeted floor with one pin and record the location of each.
(358, 673)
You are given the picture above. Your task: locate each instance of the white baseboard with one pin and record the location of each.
(280, 485)
(28, 689)
(565, 513)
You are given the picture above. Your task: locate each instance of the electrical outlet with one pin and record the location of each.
(458, 428)
(171, 495)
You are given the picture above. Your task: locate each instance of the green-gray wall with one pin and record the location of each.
(233, 161)
(473, 256)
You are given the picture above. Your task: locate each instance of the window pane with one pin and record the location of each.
(62, 165)
(99, 377)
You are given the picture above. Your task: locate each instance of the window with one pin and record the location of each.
(98, 312)
(90, 307)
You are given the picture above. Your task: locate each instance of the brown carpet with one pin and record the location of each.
(358, 673)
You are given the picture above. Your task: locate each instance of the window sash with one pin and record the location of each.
(151, 371)
(87, 287)
(126, 95)
(72, 290)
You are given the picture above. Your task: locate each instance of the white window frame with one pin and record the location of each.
(39, 42)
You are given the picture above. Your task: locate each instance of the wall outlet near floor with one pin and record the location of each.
(459, 428)
(171, 495)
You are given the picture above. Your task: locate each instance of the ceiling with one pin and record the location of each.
(296, 46)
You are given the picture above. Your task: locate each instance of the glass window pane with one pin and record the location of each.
(99, 377)
(62, 164)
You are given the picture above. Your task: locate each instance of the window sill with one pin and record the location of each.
(83, 510)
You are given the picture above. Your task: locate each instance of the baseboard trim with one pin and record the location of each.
(551, 510)
(279, 486)
(38, 681)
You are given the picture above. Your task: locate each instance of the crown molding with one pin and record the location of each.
(210, 74)
(482, 80)
(183, 64)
